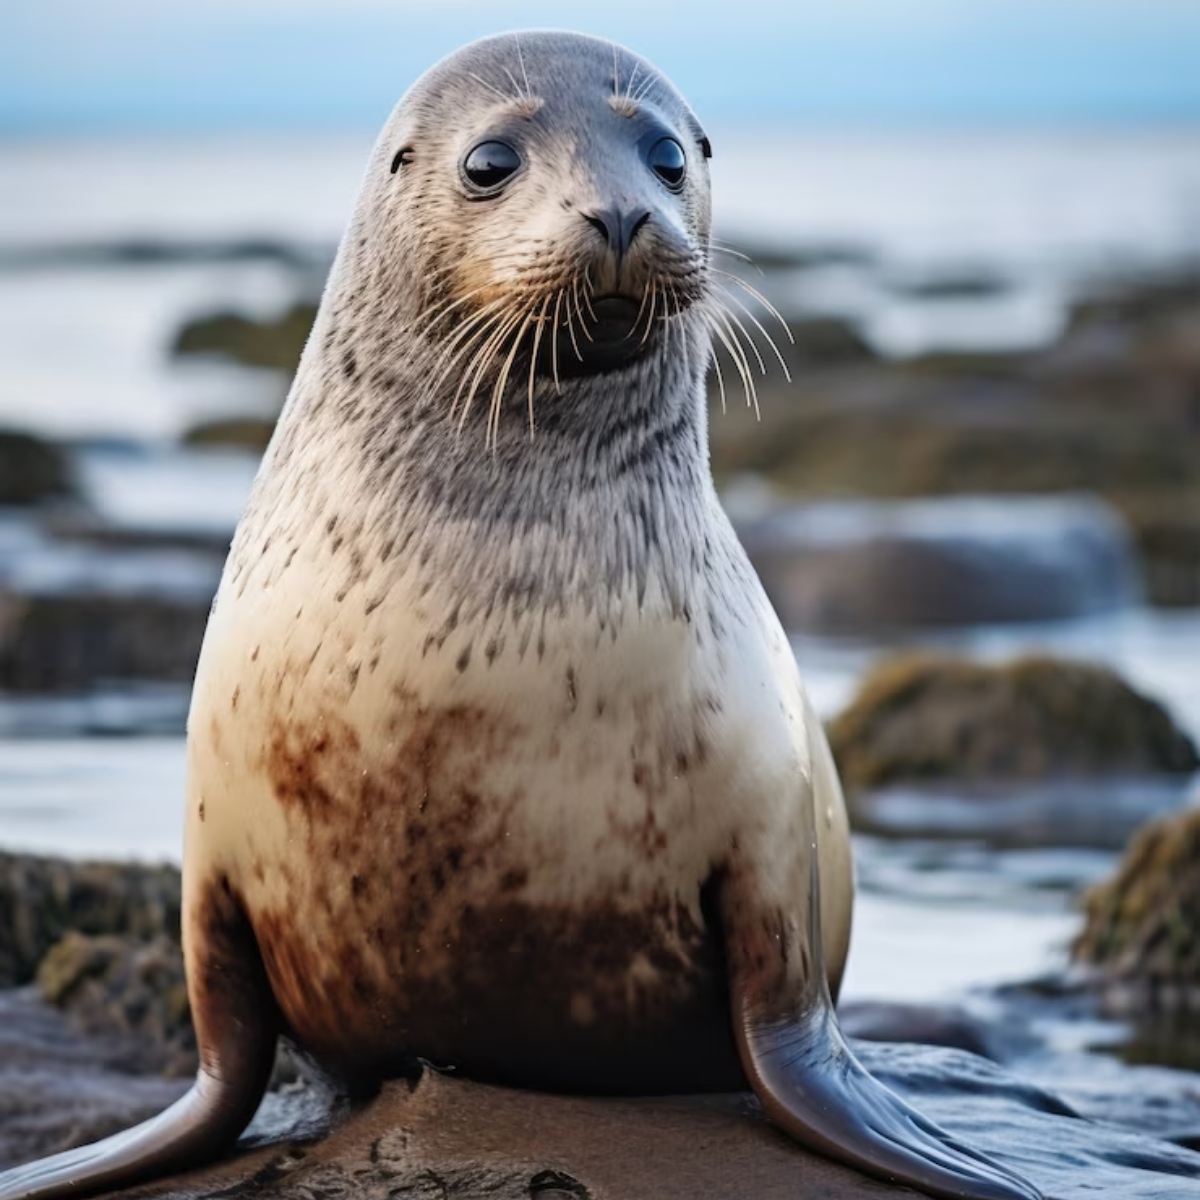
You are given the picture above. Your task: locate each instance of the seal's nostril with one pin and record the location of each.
(597, 222)
(618, 227)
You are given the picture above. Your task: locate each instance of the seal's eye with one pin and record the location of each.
(667, 161)
(490, 164)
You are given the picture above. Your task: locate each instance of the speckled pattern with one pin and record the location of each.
(490, 699)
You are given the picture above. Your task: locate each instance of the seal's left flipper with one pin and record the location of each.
(807, 1078)
(236, 1026)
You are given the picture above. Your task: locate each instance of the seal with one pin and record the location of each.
(498, 756)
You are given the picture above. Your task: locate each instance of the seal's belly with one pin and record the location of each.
(520, 900)
(495, 866)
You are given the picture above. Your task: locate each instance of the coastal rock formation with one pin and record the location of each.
(33, 470)
(450, 1139)
(863, 567)
(274, 343)
(43, 899)
(926, 717)
(130, 991)
(1142, 926)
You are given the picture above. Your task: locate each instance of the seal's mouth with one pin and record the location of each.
(615, 319)
(608, 333)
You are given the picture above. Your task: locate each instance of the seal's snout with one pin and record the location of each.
(618, 226)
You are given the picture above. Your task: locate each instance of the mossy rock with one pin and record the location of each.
(925, 717)
(241, 433)
(69, 642)
(33, 470)
(275, 343)
(826, 449)
(125, 988)
(1166, 530)
(1142, 926)
(43, 899)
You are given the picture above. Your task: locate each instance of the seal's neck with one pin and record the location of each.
(609, 496)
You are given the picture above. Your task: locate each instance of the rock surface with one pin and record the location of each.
(275, 343)
(76, 612)
(43, 899)
(1142, 930)
(60, 1088)
(130, 991)
(863, 567)
(33, 470)
(447, 1138)
(924, 717)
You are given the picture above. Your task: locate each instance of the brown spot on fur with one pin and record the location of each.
(514, 879)
(233, 700)
(406, 931)
(618, 995)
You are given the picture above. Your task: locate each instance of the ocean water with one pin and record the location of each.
(84, 349)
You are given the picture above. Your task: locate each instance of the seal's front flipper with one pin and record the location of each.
(807, 1078)
(236, 1028)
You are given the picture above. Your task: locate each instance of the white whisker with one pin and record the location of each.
(753, 291)
(759, 325)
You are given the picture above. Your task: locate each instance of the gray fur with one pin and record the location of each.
(612, 489)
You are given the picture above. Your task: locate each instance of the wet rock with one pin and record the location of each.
(1166, 532)
(858, 567)
(246, 433)
(60, 1088)
(76, 613)
(924, 717)
(923, 1024)
(275, 343)
(60, 643)
(1140, 302)
(1142, 927)
(823, 342)
(128, 990)
(43, 899)
(806, 256)
(964, 283)
(446, 1138)
(33, 470)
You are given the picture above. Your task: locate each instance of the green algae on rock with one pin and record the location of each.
(274, 343)
(43, 899)
(928, 717)
(125, 987)
(242, 433)
(1142, 927)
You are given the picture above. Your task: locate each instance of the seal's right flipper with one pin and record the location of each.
(236, 1029)
(807, 1078)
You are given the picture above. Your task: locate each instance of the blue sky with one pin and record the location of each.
(124, 65)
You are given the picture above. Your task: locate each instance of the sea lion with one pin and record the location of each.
(498, 756)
